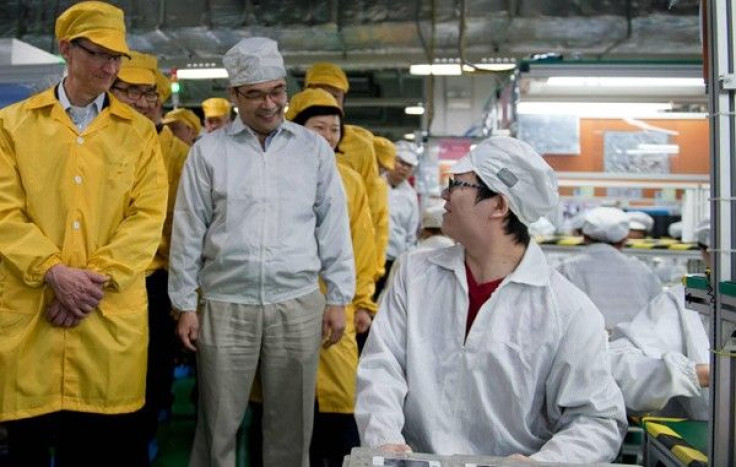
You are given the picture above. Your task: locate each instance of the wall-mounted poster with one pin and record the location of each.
(551, 134)
(637, 152)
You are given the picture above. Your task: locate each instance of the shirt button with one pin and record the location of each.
(75, 225)
(78, 180)
(80, 140)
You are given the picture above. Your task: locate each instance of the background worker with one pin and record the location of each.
(335, 432)
(261, 308)
(74, 324)
(477, 348)
(661, 358)
(618, 284)
(640, 224)
(136, 85)
(357, 151)
(184, 124)
(216, 113)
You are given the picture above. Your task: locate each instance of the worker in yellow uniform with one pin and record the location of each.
(335, 432)
(184, 124)
(356, 150)
(137, 86)
(216, 113)
(82, 204)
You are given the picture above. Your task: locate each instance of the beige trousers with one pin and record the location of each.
(285, 339)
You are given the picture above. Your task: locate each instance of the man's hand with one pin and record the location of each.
(58, 316)
(363, 320)
(333, 325)
(188, 329)
(395, 448)
(78, 290)
(703, 372)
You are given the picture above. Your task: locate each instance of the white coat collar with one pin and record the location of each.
(532, 270)
(237, 126)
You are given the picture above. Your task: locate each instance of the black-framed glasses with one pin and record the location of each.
(134, 93)
(452, 183)
(99, 57)
(254, 95)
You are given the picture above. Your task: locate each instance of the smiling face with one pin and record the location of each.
(142, 98)
(92, 69)
(328, 126)
(261, 106)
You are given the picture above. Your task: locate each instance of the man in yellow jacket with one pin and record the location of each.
(137, 85)
(356, 150)
(82, 204)
(184, 124)
(216, 113)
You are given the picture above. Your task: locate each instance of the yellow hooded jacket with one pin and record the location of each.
(93, 200)
(356, 151)
(175, 152)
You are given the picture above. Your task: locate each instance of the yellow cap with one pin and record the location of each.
(328, 74)
(310, 97)
(140, 69)
(99, 22)
(216, 107)
(184, 116)
(385, 152)
(163, 86)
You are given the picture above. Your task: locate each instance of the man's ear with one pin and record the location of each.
(500, 208)
(65, 49)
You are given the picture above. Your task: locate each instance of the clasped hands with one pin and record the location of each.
(76, 293)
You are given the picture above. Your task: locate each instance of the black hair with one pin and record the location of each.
(317, 111)
(512, 225)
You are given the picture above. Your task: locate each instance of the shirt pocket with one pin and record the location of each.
(15, 296)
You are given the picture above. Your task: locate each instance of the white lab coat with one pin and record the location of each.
(254, 226)
(619, 285)
(532, 377)
(653, 358)
(403, 210)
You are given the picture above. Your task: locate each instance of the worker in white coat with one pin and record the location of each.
(618, 284)
(482, 348)
(640, 224)
(661, 359)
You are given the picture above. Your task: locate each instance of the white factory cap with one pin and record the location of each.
(609, 225)
(515, 170)
(254, 60)
(674, 230)
(639, 220)
(432, 216)
(702, 232)
(407, 152)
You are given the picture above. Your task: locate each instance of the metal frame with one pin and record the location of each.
(721, 18)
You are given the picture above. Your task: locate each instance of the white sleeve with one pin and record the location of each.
(381, 381)
(413, 225)
(333, 231)
(583, 399)
(192, 216)
(648, 383)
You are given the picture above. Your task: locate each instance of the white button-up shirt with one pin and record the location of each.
(255, 226)
(532, 376)
(403, 210)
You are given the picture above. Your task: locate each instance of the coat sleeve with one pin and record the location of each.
(378, 204)
(23, 246)
(381, 381)
(133, 245)
(333, 231)
(413, 225)
(364, 248)
(583, 399)
(192, 216)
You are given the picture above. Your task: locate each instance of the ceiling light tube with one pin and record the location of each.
(437, 69)
(594, 109)
(414, 110)
(622, 82)
(201, 73)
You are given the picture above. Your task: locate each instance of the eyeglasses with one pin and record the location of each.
(275, 94)
(101, 58)
(134, 93)
(452, 183)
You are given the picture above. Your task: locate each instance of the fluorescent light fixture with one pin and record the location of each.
(623, 82)
(414, 110)
(490, 67)
(201, 73)
(410, 136)
(594, 109)
(655, 149)
(444, 69)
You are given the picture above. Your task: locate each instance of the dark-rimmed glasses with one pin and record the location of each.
(275, 94)
(134, 93)
(101, 58)
(452, 183)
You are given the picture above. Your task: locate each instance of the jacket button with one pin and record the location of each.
(80, 140)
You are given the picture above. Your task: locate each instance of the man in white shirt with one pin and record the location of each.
(482, 348)
(260, 216)
(618, 284)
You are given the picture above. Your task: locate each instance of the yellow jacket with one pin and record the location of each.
(175, 153)
(338, 364)
(95, 200)
(356, 151)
